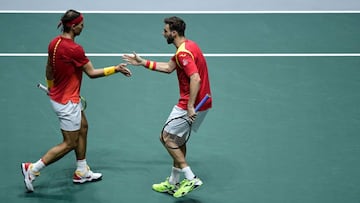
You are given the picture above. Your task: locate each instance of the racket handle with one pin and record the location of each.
(202, 102)
(43, 88)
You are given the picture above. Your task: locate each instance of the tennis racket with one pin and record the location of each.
(46, 90)
(180, 129)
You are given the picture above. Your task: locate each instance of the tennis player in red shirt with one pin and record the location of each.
(64, 69)
(192, 73)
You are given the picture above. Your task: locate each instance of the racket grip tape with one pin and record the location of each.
(202, 102)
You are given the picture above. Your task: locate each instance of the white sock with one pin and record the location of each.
(175, 176)
(81, 165)
(188, 173)
(37, 166)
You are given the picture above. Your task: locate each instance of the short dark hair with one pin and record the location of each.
(67, 17)
(176, 24)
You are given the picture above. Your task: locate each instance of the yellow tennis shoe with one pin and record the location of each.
(165, 187)
(187, 186)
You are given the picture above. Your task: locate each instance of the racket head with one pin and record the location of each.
(176, 132)
(46, 90)
(83, 103)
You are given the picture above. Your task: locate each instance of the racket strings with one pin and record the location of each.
(83, 103)
(178, 122)
(178, 132)
(180, 141)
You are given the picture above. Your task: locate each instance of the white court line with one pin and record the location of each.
(195, 12)
(191, 12)
(206, 55)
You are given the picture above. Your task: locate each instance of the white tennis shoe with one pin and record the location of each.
(88, 176)
(29, 176)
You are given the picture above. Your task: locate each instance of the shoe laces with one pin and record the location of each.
(32, 173)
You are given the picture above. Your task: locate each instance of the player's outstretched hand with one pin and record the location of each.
(134, 59)
(123, 69)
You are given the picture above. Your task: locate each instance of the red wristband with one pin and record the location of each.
(150, 65)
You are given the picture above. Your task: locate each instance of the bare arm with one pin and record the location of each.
(96, 73)
(136, 60)
(194, 89)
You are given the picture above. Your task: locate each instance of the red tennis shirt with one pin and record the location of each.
(189, 59)
(67, 59)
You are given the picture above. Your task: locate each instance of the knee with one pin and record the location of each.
(71, 145)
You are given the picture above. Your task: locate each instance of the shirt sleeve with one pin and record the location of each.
(80, 59)
(187, 63)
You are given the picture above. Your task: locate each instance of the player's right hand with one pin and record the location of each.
(134, 59)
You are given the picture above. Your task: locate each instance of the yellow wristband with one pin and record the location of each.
(50, 83)
(109, 70)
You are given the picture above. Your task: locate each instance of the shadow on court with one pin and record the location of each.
(188, 200)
